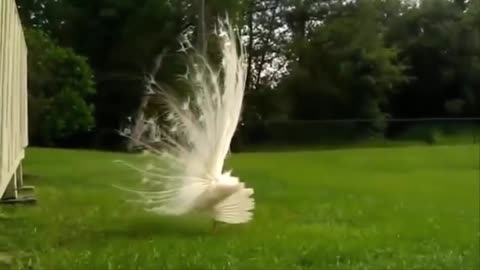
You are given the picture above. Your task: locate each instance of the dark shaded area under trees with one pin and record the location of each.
(308, 60)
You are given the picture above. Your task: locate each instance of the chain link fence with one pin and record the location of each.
(354, 132)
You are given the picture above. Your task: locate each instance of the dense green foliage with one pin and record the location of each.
(345, 70)
(60, 87)
(308, 60)
(441, 44)
(392, 208)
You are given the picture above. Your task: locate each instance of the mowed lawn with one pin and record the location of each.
(391, 208)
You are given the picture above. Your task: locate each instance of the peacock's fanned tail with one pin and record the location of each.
(195, 135)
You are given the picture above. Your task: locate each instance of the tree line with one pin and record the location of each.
(307, 60)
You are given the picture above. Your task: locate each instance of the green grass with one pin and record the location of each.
(391, 208)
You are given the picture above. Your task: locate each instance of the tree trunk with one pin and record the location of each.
(202, 27)
(250, 46)
(266, 40)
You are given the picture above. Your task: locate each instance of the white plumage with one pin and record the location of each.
(186, 172)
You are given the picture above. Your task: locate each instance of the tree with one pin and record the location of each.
(439, 43)
(345, 70)
(60, 90)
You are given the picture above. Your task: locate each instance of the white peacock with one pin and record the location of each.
(186, 173)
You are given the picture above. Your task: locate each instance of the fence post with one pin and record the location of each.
(12, 191)
(20, 176)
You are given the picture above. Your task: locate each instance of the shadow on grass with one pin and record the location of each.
(159, 227)
(148, 227)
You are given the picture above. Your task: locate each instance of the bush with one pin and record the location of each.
(60, 85)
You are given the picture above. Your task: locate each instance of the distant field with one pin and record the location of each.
(385, 208)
